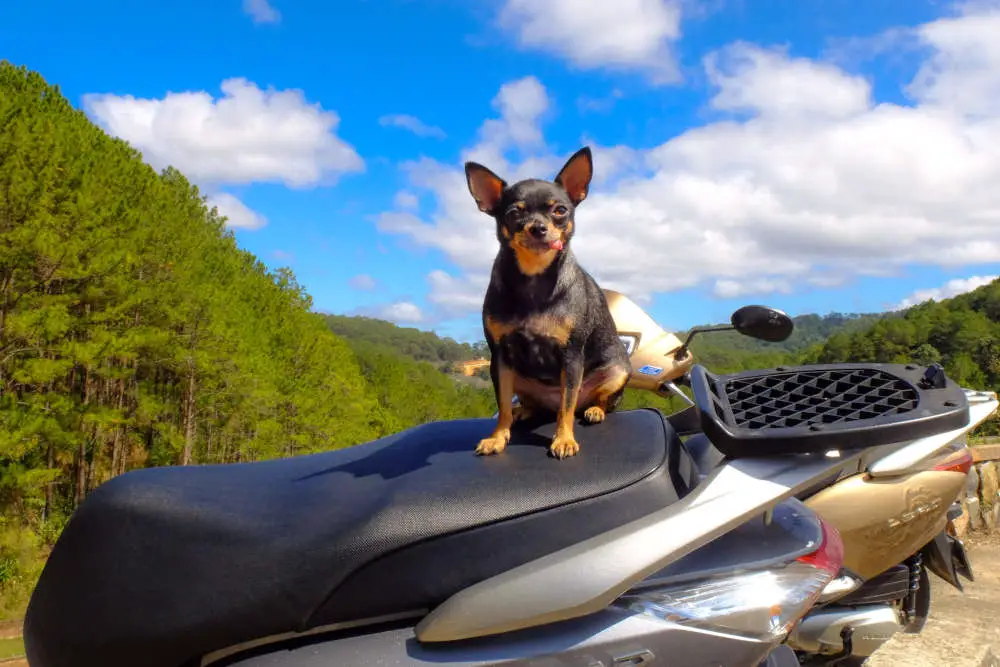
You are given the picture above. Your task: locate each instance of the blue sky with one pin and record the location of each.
(815, 156)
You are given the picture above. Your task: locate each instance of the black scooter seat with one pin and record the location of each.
(161, 566)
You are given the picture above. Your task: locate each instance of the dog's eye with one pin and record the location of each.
(560, 210)
(512, 215)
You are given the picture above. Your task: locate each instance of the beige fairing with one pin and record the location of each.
(653, 347)
(884, 521)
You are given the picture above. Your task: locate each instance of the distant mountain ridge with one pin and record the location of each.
(809, 330)
(428, 346)
(414, 343)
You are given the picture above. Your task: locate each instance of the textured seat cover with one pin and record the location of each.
(160, 566)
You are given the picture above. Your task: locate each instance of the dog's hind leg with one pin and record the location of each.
(525, 408)
(607, 396)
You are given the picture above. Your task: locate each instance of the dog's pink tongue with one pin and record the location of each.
(556, 245)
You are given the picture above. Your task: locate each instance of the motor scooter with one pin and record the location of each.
(894, 513)
(411, 550)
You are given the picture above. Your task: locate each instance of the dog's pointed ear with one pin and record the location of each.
(485, 186)
(576, 174)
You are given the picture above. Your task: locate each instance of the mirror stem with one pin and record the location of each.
(672, 389)
(681, 352)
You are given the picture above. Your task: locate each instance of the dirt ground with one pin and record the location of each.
(963, 629)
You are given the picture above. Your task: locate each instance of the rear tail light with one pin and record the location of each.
(959, 461)
(953, 457)
(758, 604)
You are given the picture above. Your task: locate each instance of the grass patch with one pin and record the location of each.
(11, 648)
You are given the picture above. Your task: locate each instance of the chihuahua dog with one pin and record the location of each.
(551, 336)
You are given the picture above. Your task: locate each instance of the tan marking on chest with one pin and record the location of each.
(498, 329)
(558, 329)
(531, 262)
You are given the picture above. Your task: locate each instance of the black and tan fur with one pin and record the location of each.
(551, 336)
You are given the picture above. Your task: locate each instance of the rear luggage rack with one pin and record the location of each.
(815, 408)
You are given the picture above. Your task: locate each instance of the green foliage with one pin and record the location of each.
(638, 398)
(414, 392)
(732, 347)
(21, 561)
(11, 648)
(962, 334)
(414, 343)
(134, 331)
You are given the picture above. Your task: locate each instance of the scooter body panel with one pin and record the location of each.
(649, 346)
(883, 521)
(609, 638)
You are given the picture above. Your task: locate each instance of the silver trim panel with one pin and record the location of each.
(215, 656)
(588, 576)
(594, 641)
(981, 406)
(819, 632)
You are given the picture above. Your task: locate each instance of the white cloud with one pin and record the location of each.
(237, 214)
(767, 81)
(362, 282)
(949, 289)
(626, 34)
(261, 11)
(962, 75)
(400, 312)
(587, 104)
(247, 135)
(413, 124)
(805, 180)
(464, 233)
(455, 297)
(731, 289)
(521, 105)
(404, 199)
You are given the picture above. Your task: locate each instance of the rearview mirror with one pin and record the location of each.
(763, 323)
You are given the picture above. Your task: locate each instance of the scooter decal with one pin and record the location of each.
(650, 370)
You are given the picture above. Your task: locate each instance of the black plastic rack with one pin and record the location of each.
(815, 408)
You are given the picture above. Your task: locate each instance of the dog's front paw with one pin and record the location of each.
(494, 444)
(564, 446)
(594, 415)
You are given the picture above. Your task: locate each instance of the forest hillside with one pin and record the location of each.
(961, 333)
(135, 332)
(414, 343)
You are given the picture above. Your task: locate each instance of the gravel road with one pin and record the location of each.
(963, 629)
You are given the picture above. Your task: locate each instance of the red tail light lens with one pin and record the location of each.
(830, 555)
(961, 461)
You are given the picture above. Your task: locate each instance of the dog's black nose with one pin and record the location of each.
(538, 230)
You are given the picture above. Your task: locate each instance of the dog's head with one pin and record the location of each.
(533, 217)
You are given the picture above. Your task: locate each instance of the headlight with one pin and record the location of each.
(758, 604)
